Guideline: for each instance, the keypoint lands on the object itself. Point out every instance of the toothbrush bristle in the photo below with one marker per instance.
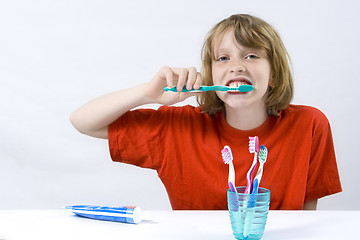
(235, 88)
(226, 155)
(254, 144)
(241, 88)
(263, 153)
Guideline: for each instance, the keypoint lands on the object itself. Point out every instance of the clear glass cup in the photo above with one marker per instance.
(248, 213)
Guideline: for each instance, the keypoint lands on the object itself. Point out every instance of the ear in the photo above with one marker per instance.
(271, 83)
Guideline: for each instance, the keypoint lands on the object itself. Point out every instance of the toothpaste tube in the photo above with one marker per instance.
(126, 214)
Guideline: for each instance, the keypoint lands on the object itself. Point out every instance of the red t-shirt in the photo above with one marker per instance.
(184, 146)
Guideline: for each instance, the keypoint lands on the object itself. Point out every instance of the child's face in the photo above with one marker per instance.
(235, 64)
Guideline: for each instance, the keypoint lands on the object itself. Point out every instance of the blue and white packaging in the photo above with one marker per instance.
(126, 214)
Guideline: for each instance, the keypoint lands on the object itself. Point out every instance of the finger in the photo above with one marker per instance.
(198, 81)
(191, 78)
(169, 76)
(183, 73)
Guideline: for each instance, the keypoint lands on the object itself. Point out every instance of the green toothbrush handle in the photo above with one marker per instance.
(241, 88)
(201, 89)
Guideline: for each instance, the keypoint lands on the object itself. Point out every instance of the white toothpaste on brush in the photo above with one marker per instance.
(126, 214)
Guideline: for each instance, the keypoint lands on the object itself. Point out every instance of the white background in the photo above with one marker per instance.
(57, 55)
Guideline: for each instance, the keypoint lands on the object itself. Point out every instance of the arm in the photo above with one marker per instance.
(94, 117)
(311, 205)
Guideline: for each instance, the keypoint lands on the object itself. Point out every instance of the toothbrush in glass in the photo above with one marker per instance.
(227, 159)
(262, 159)
(253, 148)
(249, 212)
(250, 205)
(241, 88)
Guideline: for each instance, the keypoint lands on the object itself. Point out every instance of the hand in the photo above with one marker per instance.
(170, 77)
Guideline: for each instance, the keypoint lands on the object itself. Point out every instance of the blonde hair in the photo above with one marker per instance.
(252, 32)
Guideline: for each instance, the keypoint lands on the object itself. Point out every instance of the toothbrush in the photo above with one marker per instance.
(262, 159)
(251, 203)
(227, 159)
(253, 148)
(241, 88)
(250, 211)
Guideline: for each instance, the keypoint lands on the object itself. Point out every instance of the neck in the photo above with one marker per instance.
(245, 119)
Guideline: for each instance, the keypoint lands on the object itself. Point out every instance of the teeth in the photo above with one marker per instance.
(233, 84)
(236, 84)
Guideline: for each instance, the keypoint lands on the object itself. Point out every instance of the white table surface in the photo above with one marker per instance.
(184, 225)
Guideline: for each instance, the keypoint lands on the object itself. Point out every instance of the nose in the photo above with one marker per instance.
(237, 67)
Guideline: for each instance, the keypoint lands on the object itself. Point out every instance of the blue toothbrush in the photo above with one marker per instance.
(262, 159)
(251, 203)
(241, 88)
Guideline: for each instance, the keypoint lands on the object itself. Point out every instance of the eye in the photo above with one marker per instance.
(222, 59)
(251, 56)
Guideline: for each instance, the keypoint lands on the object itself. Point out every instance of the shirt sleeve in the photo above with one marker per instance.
(323, 177)
(137, 138)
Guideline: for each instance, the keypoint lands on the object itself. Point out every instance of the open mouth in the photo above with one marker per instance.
(235, 83)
